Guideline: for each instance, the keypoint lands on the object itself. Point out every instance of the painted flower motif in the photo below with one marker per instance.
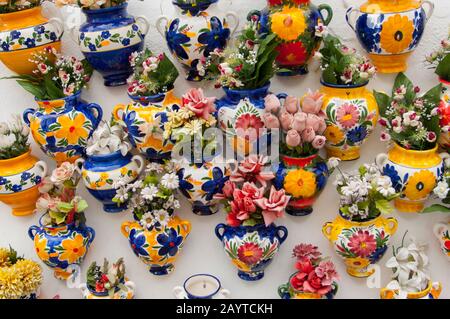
(300, 183)
(215, 185)
(133, 126)
(138, 243)
(3, 181)
(289, 23)
(391, 172)
(170, 242)
(334, 135)
(215, 38)
(73, 249)
(357, 134)
(176, 39)
(420, 185)
(347, 115)
(185, 185)
(362, 243)
(35, 126)
(370, 38)
(322, 173)
(249, 126)
(396, 34)
(250, 253)
(72, 129)
(293, 53)
(40, 245)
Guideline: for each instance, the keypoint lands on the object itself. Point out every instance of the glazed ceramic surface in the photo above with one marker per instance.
(286, 291)
(294, 23)
(144, 119)
(303, 179)
(433, 291)
(197, 30)
(24, 33)
(360, 244)
(390, 30)
(444, 111)
(351, 115)
(413, 173)
(127, 293)
(107, 39)
(19, 180)
(251, 248)
(199, 182)
(441, 231)
(99, 173)
(61, 248)
(158, 248)
(201, 286)
(62, 127)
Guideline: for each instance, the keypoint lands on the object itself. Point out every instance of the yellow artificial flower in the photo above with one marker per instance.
(300, 183)
(20, 279)
(333, 134)
(396, 34)
(289, 23)
(30, 273)
(420, 185)
(4, 257)
(74, 249)
(72, 129)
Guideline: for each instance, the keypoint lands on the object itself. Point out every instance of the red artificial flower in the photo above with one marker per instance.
(232, 220)
(314, 284)
(447, 244)
(444, 112)
(298, 280)
(99, 286)
(304, 265)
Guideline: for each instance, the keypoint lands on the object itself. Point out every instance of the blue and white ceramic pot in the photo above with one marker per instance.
(198, 29)
(124, 292)
(62, 247)
(251, 248)
(107, 39)
(201, 286)
(100, 172)
(62, 127)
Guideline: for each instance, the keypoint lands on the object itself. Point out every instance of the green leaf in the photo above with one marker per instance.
(35, 89)
(59, 217)
(436, 209)
(65, 207)
(82, 205)
(383, 101)
(53, 91)
(443, 68)
(400, 80)
(384, 206)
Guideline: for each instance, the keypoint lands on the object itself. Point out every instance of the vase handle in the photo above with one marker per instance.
(218, 229)
(59, 26)
(236, 21)
(143, 24)
(327, 229)
(283, 237)
(438, 229)
(130, 285)
(139, 160)
(158, 25)
(381, 160)
(74, 34)
(187, 226)
(91, 232)
(125, 228)
(349, 17)
(98, 117)
(79, 165)
(179, 292)
(253, 13)
(282, 96)
(32, 229)
(392, 225)
(430, 11)
(386, 293)
(283, 291)
(26, 115)
(43, 166)
(329, 11)
(118, 108)
(436, 289)
(224, 293)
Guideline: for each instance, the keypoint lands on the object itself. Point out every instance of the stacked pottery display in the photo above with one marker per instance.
(390, 31)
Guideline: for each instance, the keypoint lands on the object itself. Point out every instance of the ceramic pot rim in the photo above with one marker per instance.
(145, 98)
(343, 86)
(102, 157)
(192, 5)
(237, 91)
(360, 222)
(105, 293)
(105, 10)
(76, 95)
(431, 150)
(18, 13)
(207, 275)
(13, 159)
(51, 226)
(419, 294)
(309, 158)
(255, 227)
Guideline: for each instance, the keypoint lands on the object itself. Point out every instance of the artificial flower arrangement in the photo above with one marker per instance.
(316, 276)
(442, 192)
(56, 76)
(13, 138)
(106, 279)
(108, 138)
(8, 6)
(439, 60)
(410, 120)
(19, 278)
(90, 4)
(152, 74)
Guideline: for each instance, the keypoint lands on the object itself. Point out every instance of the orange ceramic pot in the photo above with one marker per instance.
(24, 33)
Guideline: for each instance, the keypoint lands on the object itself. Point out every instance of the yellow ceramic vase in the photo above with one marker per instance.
(413, 173)
(360, 244)
(24, 33)
(433, 291)
(19, 179)
(351, 115)
(159, 247)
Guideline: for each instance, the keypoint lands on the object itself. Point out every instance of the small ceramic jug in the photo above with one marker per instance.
(441, 231)
(201, 286)
(119, 293)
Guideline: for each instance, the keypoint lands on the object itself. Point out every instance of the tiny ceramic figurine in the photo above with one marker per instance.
(316, 276)
(20, 278)
(62, 238)
(24, 31)
(108, 37)
(108, 161)
(62, 122)
(198, 30)
(299, 26)
(350, 110)
(20, 172)
(411, 122)
(151, 89)
(360, 234)
(201, 286)
(107, 282)
(302, 130)
(411, 278)
(390, 31)
(250, 237)
(156, 235)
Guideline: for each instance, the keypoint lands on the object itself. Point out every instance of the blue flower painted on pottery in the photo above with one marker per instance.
(419, 22)
(216, 38)
(132, 126)
(176, 40)
(139, 243)
(391, 172)
(3, 180)
(126, 41)
(30, 43)
(169, 242)
(15, 34)
(39, 29)
(25, 176)
(106, 34)
(278, 181)
(185, 185)
(369, 36)
(357, 134)
(378, 254)
(215, 185)
(16, 188)
(5, 46)
(322, 173)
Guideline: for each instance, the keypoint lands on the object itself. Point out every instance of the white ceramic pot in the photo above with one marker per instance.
(201, 286)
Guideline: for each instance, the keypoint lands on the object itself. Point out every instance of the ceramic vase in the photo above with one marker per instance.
(390, 30)
(157, 248)
(441, 231)
(196, 30)
(62, 127)
(286, 291)
(107, 39)
(63, 247)
(251, 248)
(444, 111)
(119, 293)
(201, 286)
(24, 33)
(294, 23)
(146, 112)
(433, 291)
(351, 114)
(19, 180)
(413, 173)
(360, 243)
(100, 172)
(303, 179)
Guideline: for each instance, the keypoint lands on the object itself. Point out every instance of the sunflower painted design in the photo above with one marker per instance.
(40, 246)
(300, 183)
(73, 249)
(420, 185)
(72, 129)
(334, 134)
(396, 34)
(48, 107)
(289, 23)
(35, 126)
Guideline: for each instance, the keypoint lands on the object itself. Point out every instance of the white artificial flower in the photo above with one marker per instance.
(147, 220)
(170, 181)
(162, 217)
(121, 195)
(447, 162)
(154, 167)
(4, 128)
(149, 192)
(7, 140)
(441, 190)
(333, 162)
(384, 186)
(136, 185)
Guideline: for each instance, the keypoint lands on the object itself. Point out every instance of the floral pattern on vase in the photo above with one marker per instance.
(441, 232)
(444, 111)
(127, 293)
